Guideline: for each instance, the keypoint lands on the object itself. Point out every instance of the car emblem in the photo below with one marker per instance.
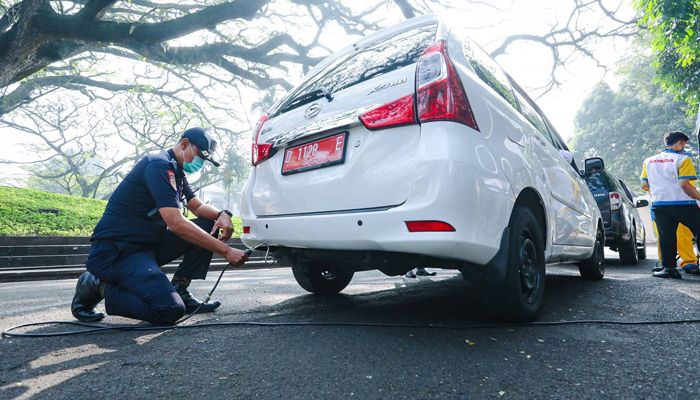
(312, 111)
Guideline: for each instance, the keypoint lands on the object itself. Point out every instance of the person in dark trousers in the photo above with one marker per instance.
(143, 228)
(669, 177)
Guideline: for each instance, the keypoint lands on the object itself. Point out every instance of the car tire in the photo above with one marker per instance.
(520, 297)
(321, 279)
(593, 268)
(642, 251)
(628, 250)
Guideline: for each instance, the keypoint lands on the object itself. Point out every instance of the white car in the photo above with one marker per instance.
(413, 148)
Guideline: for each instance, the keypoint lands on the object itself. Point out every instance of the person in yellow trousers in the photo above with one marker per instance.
(670, 178)
(684, 238)
(689, 261)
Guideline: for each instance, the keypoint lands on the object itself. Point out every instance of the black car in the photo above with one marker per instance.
(624, 230)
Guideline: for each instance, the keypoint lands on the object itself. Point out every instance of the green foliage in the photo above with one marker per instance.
(237, 226)
(675, 27)
(627, 126)
(27, 212)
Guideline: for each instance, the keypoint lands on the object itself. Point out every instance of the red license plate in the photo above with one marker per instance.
(317, 154)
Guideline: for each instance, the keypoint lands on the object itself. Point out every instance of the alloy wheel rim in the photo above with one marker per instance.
(529, 273)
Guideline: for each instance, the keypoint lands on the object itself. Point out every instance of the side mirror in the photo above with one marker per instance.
(593, 165)
(641, 203)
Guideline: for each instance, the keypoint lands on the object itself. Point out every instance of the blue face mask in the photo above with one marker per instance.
(194, 166)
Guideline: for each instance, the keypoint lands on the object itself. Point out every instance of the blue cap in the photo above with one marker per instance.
(203, 141)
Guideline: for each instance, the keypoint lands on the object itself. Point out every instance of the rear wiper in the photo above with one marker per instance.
(307, 98)
(327, 94)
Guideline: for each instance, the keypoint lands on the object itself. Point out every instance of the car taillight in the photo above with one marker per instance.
(440, 94)
(398, 112)
(261, 152)
(246, 230)
(429, 226)
(615, 201)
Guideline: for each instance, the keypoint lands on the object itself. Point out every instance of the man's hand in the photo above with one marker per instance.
(225, 224)
(235, 257)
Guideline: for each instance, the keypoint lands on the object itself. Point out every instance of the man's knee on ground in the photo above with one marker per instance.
(168, 310)
(168, 315)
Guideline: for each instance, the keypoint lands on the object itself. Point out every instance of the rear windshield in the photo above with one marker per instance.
(597, 181)
(363, 64)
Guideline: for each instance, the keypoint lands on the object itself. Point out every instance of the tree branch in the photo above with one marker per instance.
(73, 28)
(10, 17)
(406, 9)
(95, 9)
(23, 93)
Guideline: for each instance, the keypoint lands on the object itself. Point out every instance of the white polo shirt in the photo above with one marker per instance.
(663, 173)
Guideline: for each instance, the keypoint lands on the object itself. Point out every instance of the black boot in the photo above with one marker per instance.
(191, 302)
(87, 296)
(667, 273)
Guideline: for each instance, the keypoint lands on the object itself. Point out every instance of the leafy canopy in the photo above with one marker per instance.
(626, 126)
(674, 26)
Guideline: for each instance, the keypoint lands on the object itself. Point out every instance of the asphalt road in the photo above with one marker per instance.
(328, 362)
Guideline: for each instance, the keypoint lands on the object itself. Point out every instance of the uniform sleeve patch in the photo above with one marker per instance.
(171, 179)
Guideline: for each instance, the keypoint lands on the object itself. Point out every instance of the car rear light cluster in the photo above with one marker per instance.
(615, 201)
(261, 152)
(429, 226)
(439, 96)
(246, 230)
(398, 112)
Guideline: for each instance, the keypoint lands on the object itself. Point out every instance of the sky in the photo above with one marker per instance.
(528, 63)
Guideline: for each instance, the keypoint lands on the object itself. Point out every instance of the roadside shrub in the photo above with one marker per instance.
(29, 212)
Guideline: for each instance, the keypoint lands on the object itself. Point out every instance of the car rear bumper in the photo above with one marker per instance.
(451, 182)
(369, 231)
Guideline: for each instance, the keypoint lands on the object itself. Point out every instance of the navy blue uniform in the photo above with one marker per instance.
(131, 242)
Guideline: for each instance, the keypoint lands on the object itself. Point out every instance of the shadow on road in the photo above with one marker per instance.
(450, 301)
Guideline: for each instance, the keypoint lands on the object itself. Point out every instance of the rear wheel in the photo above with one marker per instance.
(321, 279)
(628, 250)
(593, 268)
(642, 250)
(519, 298)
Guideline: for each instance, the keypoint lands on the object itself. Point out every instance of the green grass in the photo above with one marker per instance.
(237, 226)
(29, 212)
